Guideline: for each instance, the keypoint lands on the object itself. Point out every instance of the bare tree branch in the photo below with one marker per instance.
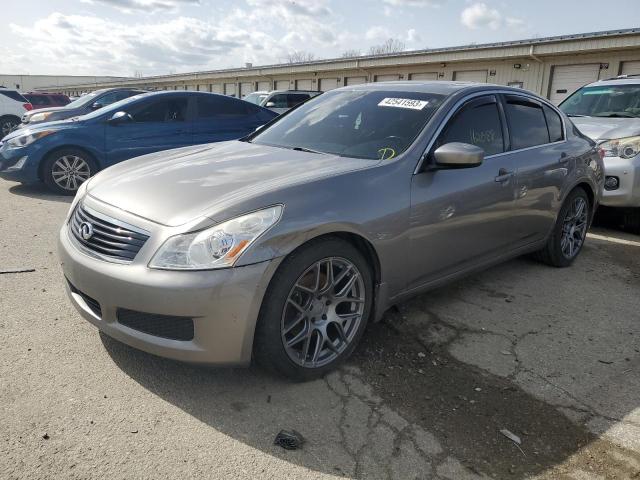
(392, 45)
(299, 56)
(351, 53)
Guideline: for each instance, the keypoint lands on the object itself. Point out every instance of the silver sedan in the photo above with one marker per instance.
(282, 246)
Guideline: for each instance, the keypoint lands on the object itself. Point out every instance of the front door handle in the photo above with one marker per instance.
(504, 175)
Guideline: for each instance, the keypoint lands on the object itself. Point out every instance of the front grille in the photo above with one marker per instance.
(165, 326)
(93, 305)
(106, 237)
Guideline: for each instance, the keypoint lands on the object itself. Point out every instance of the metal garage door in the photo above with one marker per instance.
(356, 80)
(424, 76)
(479, 76)
(568, 78)
(264, 86)
(216, 87)
(304, 84)
(230, 89)
(245, 89)
(282, 85)
(203, 87)
(326, 84)
(630, 68)
(386, 78)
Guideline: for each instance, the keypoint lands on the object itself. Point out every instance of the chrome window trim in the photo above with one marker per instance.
(471, 96)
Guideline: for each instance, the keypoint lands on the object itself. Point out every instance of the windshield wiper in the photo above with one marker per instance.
(617, 115)
(308, 150)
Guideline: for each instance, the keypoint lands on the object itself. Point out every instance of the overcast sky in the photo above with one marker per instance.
(148, 37)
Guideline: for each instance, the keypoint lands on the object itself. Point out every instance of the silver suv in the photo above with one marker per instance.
(280, 101)
(608, 111)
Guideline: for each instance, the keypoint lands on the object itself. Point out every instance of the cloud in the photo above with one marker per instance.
(129, 6)
(415, 3)
(479, 15)
(377, 33)
(91, 45)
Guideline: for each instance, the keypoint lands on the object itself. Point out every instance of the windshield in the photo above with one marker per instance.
(255, 98)
(357, 123)
(83, 100)
(606, 101)
(114, 107)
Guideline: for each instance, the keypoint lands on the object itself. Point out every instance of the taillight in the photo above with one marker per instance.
(27, 106)
(601, 152)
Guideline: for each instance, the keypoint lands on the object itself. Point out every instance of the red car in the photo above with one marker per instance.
(45, 100)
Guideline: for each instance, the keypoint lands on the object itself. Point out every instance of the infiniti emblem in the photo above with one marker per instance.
(86, 230)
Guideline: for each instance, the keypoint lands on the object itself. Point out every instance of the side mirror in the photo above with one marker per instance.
(119, 118)
(458, 155)
(270, 104)
(96, 106)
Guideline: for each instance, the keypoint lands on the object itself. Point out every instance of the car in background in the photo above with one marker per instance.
(608, 111)
(65, 153)
(43, 100)
(283, 246)
(280, 101)
(12, 107)
(83, 105)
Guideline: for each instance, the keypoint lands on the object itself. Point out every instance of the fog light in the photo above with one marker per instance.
(19, 164)
(611, 183)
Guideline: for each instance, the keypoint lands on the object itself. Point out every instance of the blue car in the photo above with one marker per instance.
(66, 153)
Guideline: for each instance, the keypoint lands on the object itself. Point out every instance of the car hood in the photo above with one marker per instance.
(603, 128)
(40, 126)
(176, 186)
(45, 110)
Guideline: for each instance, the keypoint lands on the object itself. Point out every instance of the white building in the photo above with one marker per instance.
(552, 67)
(27, 83)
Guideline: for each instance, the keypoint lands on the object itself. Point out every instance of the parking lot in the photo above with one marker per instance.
(551, 355)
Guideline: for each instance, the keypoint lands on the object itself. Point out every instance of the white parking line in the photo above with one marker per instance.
(620, 241)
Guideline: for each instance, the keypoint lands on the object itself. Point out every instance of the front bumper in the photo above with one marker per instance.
(224, 304)
(628, 173)
(28, 172)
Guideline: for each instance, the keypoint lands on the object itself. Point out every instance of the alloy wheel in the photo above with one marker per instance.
(70, 171)
(574, 228)
(323, 311)
(7, 127)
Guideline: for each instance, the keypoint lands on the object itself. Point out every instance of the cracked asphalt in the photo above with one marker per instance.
(551, 355)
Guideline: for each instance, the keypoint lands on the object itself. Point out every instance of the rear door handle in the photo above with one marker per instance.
(504, 175)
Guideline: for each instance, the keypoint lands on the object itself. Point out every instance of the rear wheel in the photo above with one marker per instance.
(7, 124)
(65, 170)
(315, 310)
(569, 233)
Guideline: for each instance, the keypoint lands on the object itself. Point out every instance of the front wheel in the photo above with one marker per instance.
(65, 170)
(632, 220)
(315, 310)
(7, 124)
(569, 233)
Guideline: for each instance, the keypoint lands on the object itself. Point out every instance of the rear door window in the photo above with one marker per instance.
(218, 106)
(13, 95)
(554, 124)
(477, 123)
(294, 99)
(527, 124)
(37, 100)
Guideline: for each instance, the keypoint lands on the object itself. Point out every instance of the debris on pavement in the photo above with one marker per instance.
(46, 436)
(514, 438)
(17, 270)
(289, 440)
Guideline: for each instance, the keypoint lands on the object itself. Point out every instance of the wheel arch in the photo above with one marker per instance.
(57, 148)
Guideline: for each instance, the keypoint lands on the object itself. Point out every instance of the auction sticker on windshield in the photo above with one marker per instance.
(403, 103)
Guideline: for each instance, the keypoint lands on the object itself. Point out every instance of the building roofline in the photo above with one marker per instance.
(407, 53)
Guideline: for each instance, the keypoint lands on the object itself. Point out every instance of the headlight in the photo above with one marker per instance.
(39, 117)
(28, 138)
(216, 247)
(621, 147)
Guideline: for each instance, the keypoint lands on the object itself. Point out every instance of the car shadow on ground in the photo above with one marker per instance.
(38, 191)
(403, 386)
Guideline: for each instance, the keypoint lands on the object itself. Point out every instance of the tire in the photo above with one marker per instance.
(7, 124)
(288, 296)
(631, 220)
(557, 252)
(53, 168)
